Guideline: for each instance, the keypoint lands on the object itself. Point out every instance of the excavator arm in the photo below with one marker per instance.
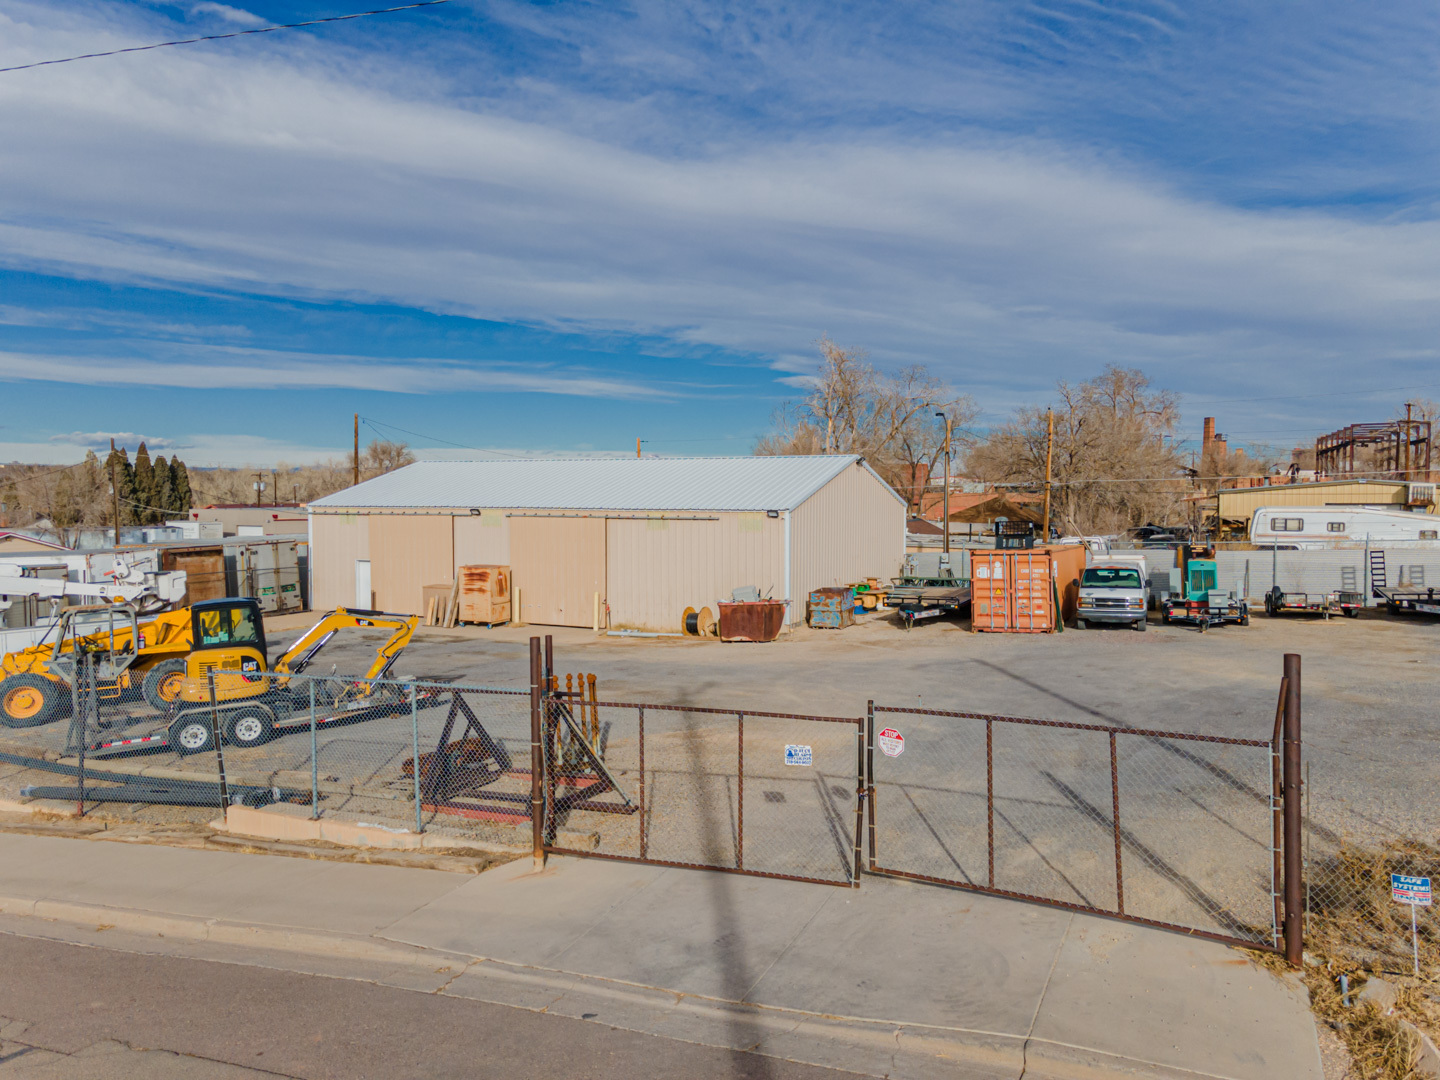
(302, 653)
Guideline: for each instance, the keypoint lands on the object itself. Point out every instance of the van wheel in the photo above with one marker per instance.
(28, 700)
(1080, 624)
(191, 735)
(1141, 624)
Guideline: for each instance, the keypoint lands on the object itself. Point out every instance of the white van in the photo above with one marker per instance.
(1303, 527)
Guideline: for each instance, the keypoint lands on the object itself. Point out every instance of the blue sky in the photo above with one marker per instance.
(553, 227)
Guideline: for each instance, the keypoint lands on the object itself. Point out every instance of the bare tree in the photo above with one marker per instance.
(1113, 468)
(855, 409)
(383, 456)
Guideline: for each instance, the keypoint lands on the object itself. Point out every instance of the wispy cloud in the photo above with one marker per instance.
(221, 367)
(95, 440)
(230, 14)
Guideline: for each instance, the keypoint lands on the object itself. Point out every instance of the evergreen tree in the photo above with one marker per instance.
(147, 493)
(180, 486)
(124, 483)
(164, 491)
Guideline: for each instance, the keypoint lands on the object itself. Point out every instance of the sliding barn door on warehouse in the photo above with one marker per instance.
(408, 552)
(558, 565)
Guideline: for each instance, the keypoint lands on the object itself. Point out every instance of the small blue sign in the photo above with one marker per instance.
(1405, 889)
(798, 755)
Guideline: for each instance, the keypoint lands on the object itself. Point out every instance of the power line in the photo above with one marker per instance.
(1307, 397)
(371, 424)
(222, 37)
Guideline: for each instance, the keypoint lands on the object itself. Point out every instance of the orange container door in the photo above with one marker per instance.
(989, 591)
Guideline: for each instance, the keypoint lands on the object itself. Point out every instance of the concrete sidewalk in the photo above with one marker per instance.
(891, 979)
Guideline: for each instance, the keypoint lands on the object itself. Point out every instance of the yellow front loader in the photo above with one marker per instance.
(131, 654)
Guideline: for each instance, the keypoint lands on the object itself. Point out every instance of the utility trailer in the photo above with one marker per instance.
(259, 720)
(927, 589)
(1200, 603)
(1414, 601)
(1279, 602)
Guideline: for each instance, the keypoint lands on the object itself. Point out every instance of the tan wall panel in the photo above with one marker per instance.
(658, 568)
(558, 565)
(1241, 503)
(482, 539)
(338, 540)
(851, 529)
(406, 554)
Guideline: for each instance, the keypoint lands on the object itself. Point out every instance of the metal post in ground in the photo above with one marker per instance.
(859, 800)
(537, 797)
(1277, 820)
(870, 776)
(415, 755)
(1290, 766)
(219, 749)
(740, 797)
(314, 764)
(85, 679)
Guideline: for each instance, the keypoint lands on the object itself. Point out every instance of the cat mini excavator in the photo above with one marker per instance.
(253, 701)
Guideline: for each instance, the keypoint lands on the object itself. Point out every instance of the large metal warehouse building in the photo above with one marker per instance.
(651, 536)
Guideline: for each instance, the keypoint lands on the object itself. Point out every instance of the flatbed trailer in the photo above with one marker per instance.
(917, 599)
(255, 721)
(1278, 602)
(1411, 600)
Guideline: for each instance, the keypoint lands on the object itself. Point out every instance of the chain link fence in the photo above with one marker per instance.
(1171, 829)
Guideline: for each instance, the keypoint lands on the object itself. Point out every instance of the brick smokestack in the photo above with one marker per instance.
(1208, 436)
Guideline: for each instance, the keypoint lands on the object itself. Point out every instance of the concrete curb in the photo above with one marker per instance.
(881, 1047)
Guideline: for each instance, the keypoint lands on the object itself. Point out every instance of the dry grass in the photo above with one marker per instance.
(1355, 929)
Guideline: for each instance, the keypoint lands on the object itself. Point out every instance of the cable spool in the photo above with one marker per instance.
(697, 623)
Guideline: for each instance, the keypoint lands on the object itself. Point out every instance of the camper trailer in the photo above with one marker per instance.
(1309, 527)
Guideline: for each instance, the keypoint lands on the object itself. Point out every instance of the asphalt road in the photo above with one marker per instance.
(71, 1012)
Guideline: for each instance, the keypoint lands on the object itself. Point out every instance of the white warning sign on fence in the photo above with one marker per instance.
(892, 743)
(798, 755)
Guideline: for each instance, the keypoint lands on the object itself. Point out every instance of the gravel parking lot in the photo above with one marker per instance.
(1370, 686)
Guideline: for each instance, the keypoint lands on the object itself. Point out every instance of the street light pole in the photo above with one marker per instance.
(947, 480)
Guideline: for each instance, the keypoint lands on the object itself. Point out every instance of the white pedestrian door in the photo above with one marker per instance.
(362, 584)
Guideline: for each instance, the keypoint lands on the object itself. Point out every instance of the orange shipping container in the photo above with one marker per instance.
(1017, 591)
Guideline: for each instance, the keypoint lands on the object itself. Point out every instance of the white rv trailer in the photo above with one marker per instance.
(1316, 526)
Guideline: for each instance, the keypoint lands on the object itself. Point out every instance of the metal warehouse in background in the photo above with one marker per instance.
(650, 536)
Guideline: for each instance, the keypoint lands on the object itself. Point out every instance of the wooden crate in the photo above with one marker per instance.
(485, 594)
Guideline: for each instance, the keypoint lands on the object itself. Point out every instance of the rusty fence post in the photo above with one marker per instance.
(216, 736)
(537, 798)
(1115, 821)
(644, 810)
(740, 793)
(990, 795)
(870, 775)
(1294, 926)
(859, 801)
(1277, 820)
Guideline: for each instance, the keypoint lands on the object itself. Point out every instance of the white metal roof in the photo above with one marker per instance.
(636, 484)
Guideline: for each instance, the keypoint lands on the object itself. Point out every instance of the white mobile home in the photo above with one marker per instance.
(1318, 526)
(648, 536)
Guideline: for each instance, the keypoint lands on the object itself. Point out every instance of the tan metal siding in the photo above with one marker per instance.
(851, 529)
(338, 540)
(557, 565)
(1240, 504)
(482, 539)
(658, 568)
(406, 554)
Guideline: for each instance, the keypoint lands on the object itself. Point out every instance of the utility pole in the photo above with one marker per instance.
(637, 446)
(946, 495)
(274, 488)
(115, 492)
(259, 487)
(1049, 457)
(355, 471)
